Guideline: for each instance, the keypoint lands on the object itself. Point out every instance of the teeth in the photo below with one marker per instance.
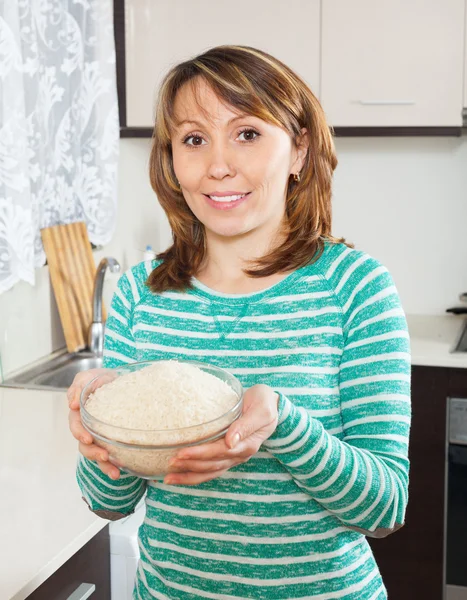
(227, 198)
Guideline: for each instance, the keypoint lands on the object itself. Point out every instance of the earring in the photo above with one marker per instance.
(296, 177)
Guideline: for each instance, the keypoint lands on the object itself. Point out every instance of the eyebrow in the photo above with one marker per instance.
(179, 123)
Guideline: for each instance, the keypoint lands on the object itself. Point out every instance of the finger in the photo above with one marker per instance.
(212, 450)
(108, 469)
(93, 452)
(191, 478)
(77, 429)
(202, 466)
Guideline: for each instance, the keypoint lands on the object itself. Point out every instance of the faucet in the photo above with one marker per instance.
(96, 331)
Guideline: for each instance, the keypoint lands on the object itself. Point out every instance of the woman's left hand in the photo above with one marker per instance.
(244, 437)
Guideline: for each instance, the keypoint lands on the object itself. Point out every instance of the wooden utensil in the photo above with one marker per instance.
(72, 270)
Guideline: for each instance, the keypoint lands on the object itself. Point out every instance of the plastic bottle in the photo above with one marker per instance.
(148, 253)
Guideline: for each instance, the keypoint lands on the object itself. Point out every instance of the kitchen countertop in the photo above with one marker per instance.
(44, 521)
(432, 338)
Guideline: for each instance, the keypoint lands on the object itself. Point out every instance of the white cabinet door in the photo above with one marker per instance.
(392, 62)
(161, 33)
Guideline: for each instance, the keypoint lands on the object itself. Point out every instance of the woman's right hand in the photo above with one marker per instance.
(86, 442)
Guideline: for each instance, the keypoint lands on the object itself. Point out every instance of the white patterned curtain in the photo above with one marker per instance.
(59, 126)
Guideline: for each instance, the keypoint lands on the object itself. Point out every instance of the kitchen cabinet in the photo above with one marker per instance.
(378, 67)
(393, 63)
(158, 35)
(411, 560)
(90, 565)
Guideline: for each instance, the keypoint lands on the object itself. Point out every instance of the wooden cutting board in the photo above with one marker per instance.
(72, 270)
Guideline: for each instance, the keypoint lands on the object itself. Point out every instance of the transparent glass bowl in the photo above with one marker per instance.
(147, 452)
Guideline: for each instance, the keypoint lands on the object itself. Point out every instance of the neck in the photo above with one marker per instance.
(227, 257)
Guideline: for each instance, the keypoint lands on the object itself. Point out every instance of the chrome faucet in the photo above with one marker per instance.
(96, 331)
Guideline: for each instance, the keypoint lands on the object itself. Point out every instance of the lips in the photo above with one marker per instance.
(222, 205)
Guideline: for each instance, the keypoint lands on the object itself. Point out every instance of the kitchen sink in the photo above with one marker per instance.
(56, 372)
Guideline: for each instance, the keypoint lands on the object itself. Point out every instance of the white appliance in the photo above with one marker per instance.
(124, 553)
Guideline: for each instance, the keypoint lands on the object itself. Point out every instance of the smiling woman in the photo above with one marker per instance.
(242, 162)
(236, 120)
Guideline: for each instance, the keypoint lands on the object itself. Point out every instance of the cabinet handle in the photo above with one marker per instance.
(83, 591)
(385, 102)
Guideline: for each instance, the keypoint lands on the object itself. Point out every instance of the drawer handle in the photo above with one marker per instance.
(83, 591)
(385, 102)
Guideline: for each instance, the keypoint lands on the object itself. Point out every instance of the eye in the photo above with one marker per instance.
(246, 130)
(250, 130)
(195, 136)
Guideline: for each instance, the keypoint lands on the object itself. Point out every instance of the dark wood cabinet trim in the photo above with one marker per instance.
(119, 35)
(397, 131)
(146, 132)
(135, 132)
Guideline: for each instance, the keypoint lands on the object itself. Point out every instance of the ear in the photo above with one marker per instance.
(301, 149)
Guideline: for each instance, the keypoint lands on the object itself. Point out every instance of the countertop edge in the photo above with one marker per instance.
(60, 559)
(441, 362)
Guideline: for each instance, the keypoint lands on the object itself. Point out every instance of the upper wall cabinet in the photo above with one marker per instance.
(159, 34)
(393, 63)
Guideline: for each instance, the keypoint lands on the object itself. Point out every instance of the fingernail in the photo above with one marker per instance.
(170, 481)
(235, 440)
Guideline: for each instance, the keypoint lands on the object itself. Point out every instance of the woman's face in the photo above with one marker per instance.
(245, 155)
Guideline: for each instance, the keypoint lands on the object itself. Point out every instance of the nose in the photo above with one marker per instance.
(220, 160)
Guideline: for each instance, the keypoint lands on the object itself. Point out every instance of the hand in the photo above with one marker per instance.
(86, 445)
(199, 464)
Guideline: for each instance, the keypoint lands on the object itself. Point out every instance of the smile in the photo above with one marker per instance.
(226, 202)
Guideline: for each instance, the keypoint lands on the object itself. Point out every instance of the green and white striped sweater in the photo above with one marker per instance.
(291, 522)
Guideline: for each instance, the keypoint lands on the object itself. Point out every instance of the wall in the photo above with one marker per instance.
(403, 200)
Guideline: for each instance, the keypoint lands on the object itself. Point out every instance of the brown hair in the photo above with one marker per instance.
(256, 83)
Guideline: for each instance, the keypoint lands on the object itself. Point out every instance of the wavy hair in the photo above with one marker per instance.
(256, 83)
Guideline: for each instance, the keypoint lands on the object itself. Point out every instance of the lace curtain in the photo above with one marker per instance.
(59, 127)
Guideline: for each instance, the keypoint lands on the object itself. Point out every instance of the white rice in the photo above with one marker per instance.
(152, 406)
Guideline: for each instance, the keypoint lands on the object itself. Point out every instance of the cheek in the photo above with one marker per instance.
(195, 207)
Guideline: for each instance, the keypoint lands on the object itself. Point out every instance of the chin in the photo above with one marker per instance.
(230, 230)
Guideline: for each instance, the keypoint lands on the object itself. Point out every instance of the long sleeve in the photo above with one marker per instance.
(109, 498)
(362, 478)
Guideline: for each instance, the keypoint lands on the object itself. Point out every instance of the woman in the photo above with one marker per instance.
(255, 283)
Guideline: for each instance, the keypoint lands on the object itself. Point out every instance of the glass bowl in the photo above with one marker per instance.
(147, 452)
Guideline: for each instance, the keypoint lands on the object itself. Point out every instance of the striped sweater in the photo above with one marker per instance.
(292, 522)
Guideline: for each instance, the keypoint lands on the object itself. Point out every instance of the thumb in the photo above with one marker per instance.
(257, 413)
(249, 422)
(73, 394)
